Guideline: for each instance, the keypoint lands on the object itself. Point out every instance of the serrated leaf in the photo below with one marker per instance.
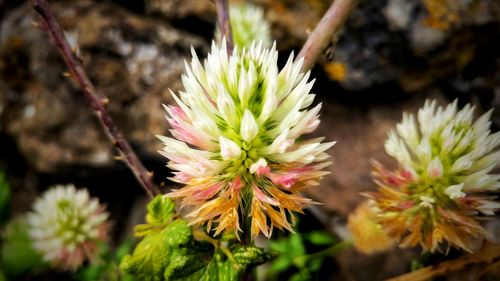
(251, 256)
(221, 268)
(160, 213)
(160, 210)
(187, 260)
(149, 258)
(168, 251)
(152, 255)
(218, 269)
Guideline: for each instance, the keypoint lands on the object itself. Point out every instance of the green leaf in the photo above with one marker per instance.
(296, 245)
(302, 275)
(178, 233)
(163, 242)
(152, 255)
(187, 260)
(105, 268)
(124, 249)
(218, 269)
(160, 210)
(280, 264)
(320, 238)
(247, 256)
(168, 251)
(5, 195)
(18, 255)
(314, 264)
(280, 246)
(149, 258)
(160, 213)
(223, 268)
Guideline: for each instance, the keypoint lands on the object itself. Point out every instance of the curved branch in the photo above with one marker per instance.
(96, 102)
(321, 36)
(224, 24)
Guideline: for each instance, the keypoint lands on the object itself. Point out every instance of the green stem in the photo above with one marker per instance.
(247, 237)
(200, 235)
(331, 251)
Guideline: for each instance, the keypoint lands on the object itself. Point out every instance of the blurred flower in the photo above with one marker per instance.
(367, 235)
(248, 24)
(442, 186)
(66, 226)
(237, 124)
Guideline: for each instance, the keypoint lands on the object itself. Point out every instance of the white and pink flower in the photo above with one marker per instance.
(66, 226)
(237, 125)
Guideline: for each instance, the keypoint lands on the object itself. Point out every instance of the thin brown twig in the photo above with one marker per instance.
(224, 25)
(96, 102)
(490, 254)
(328, 27)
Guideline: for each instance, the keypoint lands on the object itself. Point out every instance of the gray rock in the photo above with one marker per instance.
(132, 60)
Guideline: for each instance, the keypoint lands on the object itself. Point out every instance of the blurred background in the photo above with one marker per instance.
(389, 58)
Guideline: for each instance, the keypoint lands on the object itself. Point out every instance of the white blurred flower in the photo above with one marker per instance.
(446, 172)
(66, 226)
(446, 143)
(248, 24)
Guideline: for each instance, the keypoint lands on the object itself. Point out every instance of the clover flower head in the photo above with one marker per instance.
(367, 235)
(237, 150)
(66, 226)
(248, 24)
(445, 181)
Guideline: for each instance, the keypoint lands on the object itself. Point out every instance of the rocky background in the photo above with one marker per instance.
(390, 57)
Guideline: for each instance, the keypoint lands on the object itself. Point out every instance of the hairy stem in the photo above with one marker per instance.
(327, 28)
(97, 102)
(224, 25)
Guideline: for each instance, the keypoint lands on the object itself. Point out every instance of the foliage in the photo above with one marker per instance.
(293, 258)
(5, 194)
(18, 255)
(169, 251)
(106, 269)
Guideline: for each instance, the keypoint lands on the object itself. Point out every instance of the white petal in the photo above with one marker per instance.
(259, 164)
(461, 164)
(249, 127)
(228, 148)
(435, 168)
(424, 152)
(455, 191)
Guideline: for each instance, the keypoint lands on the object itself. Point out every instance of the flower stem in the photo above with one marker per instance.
(98, 103)
(200, 235)
(224, 23)
(332, 250)
(327, 28)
